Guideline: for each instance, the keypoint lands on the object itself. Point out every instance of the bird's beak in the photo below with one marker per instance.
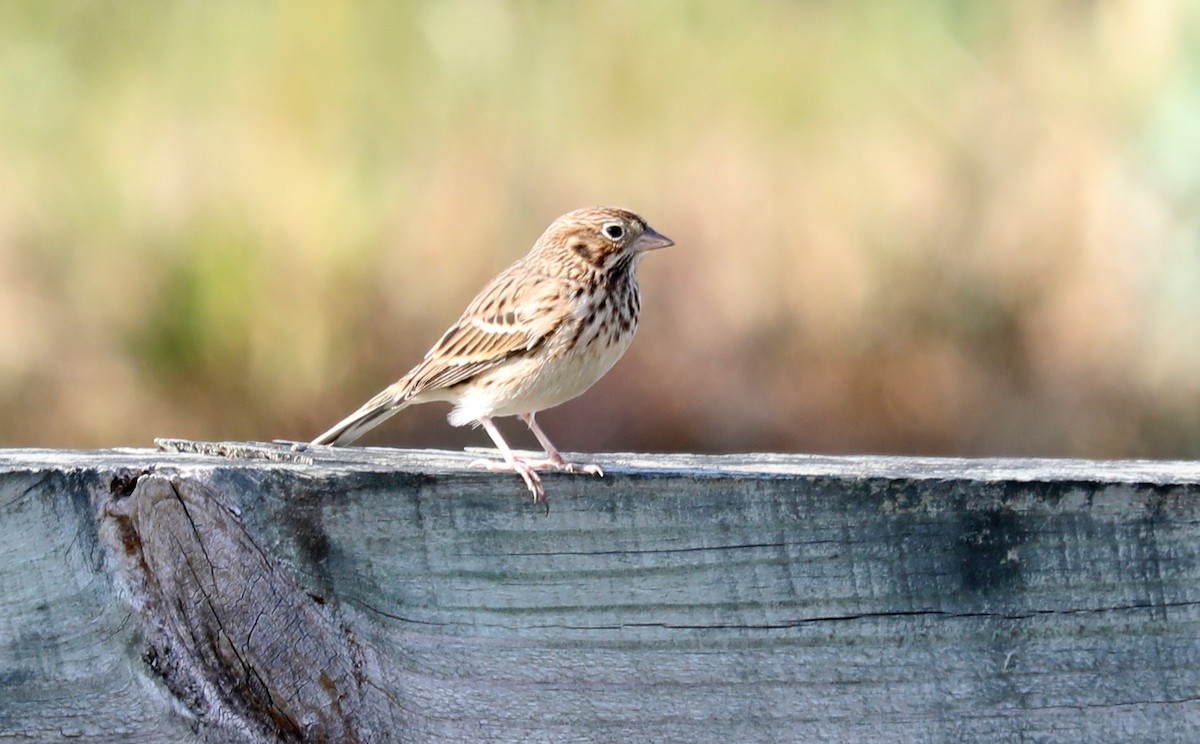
(651, 240)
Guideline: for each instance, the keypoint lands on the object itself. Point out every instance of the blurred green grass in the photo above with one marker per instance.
(962, 228)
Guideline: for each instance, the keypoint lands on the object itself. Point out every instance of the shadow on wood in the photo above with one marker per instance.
(242, 592)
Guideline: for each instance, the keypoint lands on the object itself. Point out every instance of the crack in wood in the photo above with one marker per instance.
(669, 551)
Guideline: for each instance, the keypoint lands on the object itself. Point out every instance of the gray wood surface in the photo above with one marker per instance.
(248, 592)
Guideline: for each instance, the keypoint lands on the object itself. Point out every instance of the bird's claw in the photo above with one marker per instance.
(527, 469)
(564, 466)
(532, 480)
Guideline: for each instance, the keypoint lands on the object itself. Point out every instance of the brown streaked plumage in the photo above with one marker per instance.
(539, 334)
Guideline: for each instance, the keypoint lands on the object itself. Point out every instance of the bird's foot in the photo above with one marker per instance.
(557, 462)
(532, 480)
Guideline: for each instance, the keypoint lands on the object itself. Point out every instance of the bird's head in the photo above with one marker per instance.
(604, 238)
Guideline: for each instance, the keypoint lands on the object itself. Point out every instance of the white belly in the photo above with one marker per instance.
(536, 383)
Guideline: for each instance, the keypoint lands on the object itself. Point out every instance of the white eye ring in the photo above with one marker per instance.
(614, 231)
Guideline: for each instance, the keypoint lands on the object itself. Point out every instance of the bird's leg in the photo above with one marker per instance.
(511, 462)
(554, 459)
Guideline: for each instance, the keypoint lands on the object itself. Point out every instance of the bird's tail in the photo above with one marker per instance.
(373, 413)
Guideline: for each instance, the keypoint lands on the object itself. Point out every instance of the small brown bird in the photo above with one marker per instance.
(539, 334)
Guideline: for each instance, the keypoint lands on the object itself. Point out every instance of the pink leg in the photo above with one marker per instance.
(512, 463)
(553, 458)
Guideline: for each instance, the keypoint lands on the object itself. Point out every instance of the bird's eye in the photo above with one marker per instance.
(614, 231)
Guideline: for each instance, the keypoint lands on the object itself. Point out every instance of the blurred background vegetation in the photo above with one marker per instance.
(910, 227)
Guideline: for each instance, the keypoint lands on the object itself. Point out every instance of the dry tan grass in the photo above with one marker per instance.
(901, 227)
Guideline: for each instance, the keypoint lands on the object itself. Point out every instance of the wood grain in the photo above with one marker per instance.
(680, 598)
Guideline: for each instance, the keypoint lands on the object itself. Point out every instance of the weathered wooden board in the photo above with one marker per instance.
(380, 595)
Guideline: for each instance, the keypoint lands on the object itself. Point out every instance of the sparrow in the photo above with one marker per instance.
(537, 335)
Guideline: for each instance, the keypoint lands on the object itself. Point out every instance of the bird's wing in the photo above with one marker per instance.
(513, 315)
